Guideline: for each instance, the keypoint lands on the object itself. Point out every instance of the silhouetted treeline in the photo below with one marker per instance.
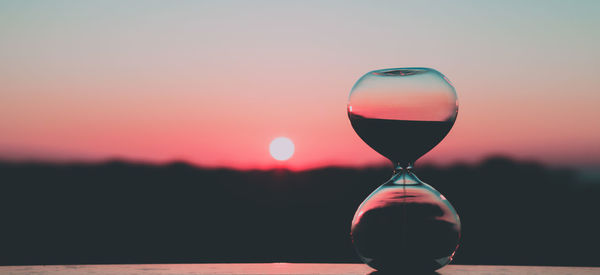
(511, 213)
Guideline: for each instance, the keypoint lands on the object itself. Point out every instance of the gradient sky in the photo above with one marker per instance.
(213, 82)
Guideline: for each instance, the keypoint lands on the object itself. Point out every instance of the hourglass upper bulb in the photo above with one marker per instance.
(402, 113)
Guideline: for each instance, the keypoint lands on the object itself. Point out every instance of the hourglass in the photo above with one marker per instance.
(405, 224)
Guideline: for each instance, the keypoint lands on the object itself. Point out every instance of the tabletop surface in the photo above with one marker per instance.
(278, 268)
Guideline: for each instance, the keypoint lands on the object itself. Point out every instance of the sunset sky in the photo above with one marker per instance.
(213, 82)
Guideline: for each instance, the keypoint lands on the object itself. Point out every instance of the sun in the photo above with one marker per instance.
(281, 148)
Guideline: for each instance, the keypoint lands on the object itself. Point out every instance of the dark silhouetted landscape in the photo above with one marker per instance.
(512, 213)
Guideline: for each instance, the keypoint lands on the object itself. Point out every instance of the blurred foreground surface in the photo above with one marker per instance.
(279, 269)
(512, 213)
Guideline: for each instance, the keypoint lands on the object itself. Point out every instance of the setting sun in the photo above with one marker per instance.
(281, 148)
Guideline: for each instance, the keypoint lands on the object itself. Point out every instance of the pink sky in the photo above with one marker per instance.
(214, 83)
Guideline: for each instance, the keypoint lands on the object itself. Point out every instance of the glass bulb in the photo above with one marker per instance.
(402, 113)
(405, 225)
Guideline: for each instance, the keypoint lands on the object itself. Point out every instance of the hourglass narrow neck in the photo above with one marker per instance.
(404, 176)
(402, 167)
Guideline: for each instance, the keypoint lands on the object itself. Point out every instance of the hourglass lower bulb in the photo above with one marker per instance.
(404, 225)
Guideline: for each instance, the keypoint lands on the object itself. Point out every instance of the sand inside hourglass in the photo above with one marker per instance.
(402, 141)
